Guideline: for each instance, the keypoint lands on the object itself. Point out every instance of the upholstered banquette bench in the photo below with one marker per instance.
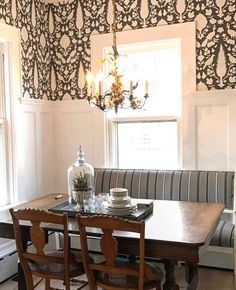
(183, 185)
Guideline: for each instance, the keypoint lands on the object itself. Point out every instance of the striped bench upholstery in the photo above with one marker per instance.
(182, 185)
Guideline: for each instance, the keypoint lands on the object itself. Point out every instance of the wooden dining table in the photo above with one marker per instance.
(175, 231)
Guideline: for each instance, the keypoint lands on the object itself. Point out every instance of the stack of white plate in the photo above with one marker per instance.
(120, 209)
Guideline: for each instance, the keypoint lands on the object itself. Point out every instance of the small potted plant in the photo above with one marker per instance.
(81, 189)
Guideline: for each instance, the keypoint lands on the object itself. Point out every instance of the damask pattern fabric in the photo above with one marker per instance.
(55, 39)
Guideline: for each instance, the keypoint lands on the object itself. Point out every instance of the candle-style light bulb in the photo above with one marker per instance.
(131, 88)
(89, 79)
(98, 83)
(99, 78)
(146, 87)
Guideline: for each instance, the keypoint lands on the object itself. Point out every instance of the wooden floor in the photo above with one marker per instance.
(209, 279)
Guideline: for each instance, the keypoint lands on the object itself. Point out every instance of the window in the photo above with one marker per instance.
(159, 62)
(143, 147)
(172, 86)
(150, 138)
(10, 94)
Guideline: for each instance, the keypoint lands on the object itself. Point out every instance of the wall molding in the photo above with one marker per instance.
(227, 93)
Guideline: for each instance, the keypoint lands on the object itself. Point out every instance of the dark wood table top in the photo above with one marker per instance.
(174, 232)
(171, 221)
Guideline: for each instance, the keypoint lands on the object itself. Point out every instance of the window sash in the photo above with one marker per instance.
(113, 134)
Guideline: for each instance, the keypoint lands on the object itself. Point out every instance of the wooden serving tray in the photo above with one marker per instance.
(144, 208)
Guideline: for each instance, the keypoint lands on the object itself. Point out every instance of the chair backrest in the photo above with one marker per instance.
(34, 220)
(109, 245)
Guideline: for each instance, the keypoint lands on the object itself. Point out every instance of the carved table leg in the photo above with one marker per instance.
(170, 283)
(191, 272)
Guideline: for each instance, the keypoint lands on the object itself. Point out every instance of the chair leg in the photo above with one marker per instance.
(29, 282)
(47, 284)
(67, 284)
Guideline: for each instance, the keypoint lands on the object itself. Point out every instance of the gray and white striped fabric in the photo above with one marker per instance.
(182, 185)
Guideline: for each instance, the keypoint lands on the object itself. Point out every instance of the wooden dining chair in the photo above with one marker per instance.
(113, 271)
(61, 265)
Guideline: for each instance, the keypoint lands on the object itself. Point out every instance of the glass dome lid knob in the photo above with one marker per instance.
(80, 154)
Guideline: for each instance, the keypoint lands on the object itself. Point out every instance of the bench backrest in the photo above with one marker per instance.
(183, 185)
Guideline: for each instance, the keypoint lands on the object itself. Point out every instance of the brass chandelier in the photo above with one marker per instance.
(116, 97)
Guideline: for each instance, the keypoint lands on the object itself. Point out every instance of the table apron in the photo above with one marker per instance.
(153, 249)
(162, 250)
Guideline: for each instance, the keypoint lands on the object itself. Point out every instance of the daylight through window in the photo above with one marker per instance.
(148, 138)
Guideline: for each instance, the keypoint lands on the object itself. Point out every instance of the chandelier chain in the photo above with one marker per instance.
(117, 96)
(114, 30)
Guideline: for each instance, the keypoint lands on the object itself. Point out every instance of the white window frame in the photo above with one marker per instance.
(187, 34)
(3, 125)
(10, 41)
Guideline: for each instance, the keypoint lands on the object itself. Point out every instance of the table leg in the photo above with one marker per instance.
(170, 283)
(191, 272)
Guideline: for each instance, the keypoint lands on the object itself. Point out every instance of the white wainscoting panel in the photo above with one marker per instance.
(46, 145)
(211, 133)
(27, 156)
(50, 133)
(35, 149)
(77, 124)
(212, 136)
(48, 138)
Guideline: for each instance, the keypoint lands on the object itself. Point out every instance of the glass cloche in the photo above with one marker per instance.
(80, 169)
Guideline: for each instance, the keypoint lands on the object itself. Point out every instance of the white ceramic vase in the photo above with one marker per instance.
(79, 195)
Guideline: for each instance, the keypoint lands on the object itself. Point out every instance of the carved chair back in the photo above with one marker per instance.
(112, 272)
(53, 265)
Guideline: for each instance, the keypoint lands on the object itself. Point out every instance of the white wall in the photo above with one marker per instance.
(211, 133)
(48, 138)
(49, 134)
(77, 124)
(36, 149)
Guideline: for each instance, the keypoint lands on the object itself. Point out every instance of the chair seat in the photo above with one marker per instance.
(75, 265)
(123, 280)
